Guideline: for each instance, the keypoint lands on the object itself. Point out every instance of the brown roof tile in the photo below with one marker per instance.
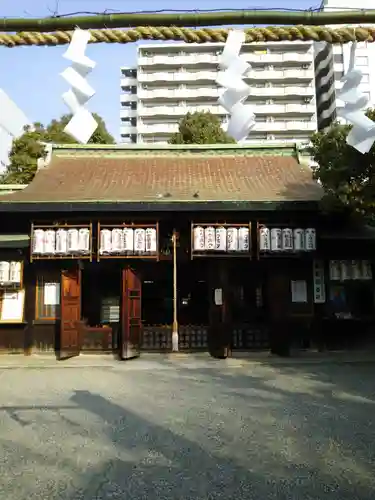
(149, 179)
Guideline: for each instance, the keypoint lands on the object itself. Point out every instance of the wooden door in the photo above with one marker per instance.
(70, 342)
(131, 321)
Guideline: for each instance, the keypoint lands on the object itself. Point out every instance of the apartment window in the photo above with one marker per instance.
(361, 61)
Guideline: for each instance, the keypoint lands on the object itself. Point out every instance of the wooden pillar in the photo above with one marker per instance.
(219, 335)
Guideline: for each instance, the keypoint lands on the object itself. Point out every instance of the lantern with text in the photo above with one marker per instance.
(61, 241)
(11, 274)
(220, 240)
(128, 241)
(285, 240)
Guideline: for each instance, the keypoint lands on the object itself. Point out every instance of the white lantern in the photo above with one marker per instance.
(151, 240)
(198, 239)
(243, 239)
(221, 239)
(117, 240)
(105, 242)
(287, 239)
(139, 240)
(38, 241)
(73, 240)
(276, 240)
(344, 270)
(84, 240)
(356, 270)
(366, 270)
(334, 270)
(232, 239)
(299, 239)
(128, 238)
(209, 238)
(310, 239)
(15, 272)
(264, 239)
(61, 241)
(4, 272)
(49, 242)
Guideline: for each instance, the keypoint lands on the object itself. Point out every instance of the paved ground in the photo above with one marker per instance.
(175, 429)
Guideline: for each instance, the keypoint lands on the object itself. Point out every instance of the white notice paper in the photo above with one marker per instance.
(218, 297)
(51, 294)
(299, 291)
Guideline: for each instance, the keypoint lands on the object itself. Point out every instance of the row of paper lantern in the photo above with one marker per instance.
(343, 270)
(128, 241)
(221, 239)
(61, 241)
(10, 272)
(287, 239)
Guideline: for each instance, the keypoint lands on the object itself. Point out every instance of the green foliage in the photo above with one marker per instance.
(347, 176)
(201, 128)
(28, 148)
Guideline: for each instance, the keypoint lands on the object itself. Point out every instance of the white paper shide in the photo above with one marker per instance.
(233, 69)
(83, 124)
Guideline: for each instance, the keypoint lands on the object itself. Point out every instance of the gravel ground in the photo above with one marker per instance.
(183, 430)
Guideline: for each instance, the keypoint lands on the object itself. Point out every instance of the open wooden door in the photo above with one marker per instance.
(131, 321)
(70, 342)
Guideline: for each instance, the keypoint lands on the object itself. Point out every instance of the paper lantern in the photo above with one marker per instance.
(356, 271)
(198, 239)
(117, 240)
(232, 239)
(15, 272)
(49, 242)
(209, 238)
(310, 239)
(366, 270)
(287, 239)
(299, 239)
(151, 240)
(61, 241)
(139, 241)
(344, 270)
(221, 239)
(4, 272)
(105, 242)
(128, 240)
(334, 270)
(264, 239)
(243, 239)
(276, 240)
(38, 241)
(84, 240)
(73, 241)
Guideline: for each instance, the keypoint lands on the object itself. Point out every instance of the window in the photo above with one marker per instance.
(47, 297)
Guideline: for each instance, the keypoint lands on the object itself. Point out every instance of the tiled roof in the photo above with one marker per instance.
(183, 177)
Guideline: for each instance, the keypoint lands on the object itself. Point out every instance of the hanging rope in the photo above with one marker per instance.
(204, 35)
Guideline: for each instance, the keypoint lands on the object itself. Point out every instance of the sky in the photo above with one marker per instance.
(31, 75)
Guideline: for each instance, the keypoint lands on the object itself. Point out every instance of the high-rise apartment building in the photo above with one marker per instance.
(332, 62)
(174, 79)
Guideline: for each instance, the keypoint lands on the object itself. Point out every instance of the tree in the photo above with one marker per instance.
(347, 176)
(27, 149)
(200, 128)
